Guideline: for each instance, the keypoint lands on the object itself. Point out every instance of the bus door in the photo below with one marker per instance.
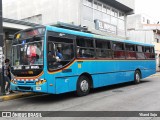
(60, 50)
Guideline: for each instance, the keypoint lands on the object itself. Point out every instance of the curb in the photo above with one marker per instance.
(157, 74)
(16, 96)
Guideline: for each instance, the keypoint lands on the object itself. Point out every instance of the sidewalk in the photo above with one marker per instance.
(157, 74)
(15, 95)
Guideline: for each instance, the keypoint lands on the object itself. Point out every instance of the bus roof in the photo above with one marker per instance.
(91, 35)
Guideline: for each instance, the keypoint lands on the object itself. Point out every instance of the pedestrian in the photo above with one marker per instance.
(6, 76)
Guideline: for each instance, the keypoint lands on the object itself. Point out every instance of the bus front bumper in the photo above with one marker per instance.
(29, 88)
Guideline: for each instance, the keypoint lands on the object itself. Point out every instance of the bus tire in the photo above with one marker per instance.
(137, 77)
(83, 86)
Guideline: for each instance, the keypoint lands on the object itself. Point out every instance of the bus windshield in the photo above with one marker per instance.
(30, 53)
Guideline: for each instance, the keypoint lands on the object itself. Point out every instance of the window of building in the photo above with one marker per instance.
(108, 10)
(112, 12)
(121, 25)
(114, 20)
(148, 21)
(116, 14)
(104, 9)
(143, 19)
(99, 6)
(121, 15)
(95, 5)
(98, 15)
(106, 18)
(88, 2)
(98, 10)
(157, 40)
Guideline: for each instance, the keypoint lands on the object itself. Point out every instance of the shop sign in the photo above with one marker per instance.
(103, 26)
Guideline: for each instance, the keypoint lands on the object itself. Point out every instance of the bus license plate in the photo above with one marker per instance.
(38, 88)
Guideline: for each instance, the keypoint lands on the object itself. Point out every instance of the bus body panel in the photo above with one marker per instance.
(103, 73)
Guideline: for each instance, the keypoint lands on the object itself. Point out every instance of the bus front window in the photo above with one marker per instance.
(28, 54)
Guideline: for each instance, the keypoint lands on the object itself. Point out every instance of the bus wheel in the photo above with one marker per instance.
(83, 86)
(137, 77)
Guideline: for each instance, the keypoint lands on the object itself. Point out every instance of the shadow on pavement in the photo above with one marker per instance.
(50, 98)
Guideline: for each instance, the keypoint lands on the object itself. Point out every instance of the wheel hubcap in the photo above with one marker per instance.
(84, 86)
(137, 77)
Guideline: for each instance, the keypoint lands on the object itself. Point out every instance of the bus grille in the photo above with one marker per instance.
(24, 88)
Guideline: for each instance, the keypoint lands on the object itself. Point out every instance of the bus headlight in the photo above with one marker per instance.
(13, 81)
(34, 67)
(27, 67)
(17, 67)
(40, 82)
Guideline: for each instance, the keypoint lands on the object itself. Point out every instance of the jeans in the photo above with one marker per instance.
(6, 78)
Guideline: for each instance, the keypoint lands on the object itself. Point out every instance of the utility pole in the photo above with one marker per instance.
(1, 53)
(1, 26)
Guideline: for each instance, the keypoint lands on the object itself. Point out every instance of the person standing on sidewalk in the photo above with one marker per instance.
(6, 74)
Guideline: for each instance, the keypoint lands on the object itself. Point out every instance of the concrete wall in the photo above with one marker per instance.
(139, 21)
(51, 10)
(142, 36)
(134, 22)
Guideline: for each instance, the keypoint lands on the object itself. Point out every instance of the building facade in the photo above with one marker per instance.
(107, 17)
(138, 21)
(142, 28)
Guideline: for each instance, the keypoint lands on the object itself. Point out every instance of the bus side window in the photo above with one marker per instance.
(130, 51)
(119, 52)
(85, 48)
(140, 52)
(103, 49)
(152, 53)
(147, 52)
(51, 58)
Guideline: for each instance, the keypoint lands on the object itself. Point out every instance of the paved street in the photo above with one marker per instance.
(124, 97)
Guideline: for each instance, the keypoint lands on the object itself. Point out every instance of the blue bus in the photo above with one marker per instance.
(56, 60)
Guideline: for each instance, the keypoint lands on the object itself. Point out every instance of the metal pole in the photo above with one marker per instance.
(2, 83)
(1, 26)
